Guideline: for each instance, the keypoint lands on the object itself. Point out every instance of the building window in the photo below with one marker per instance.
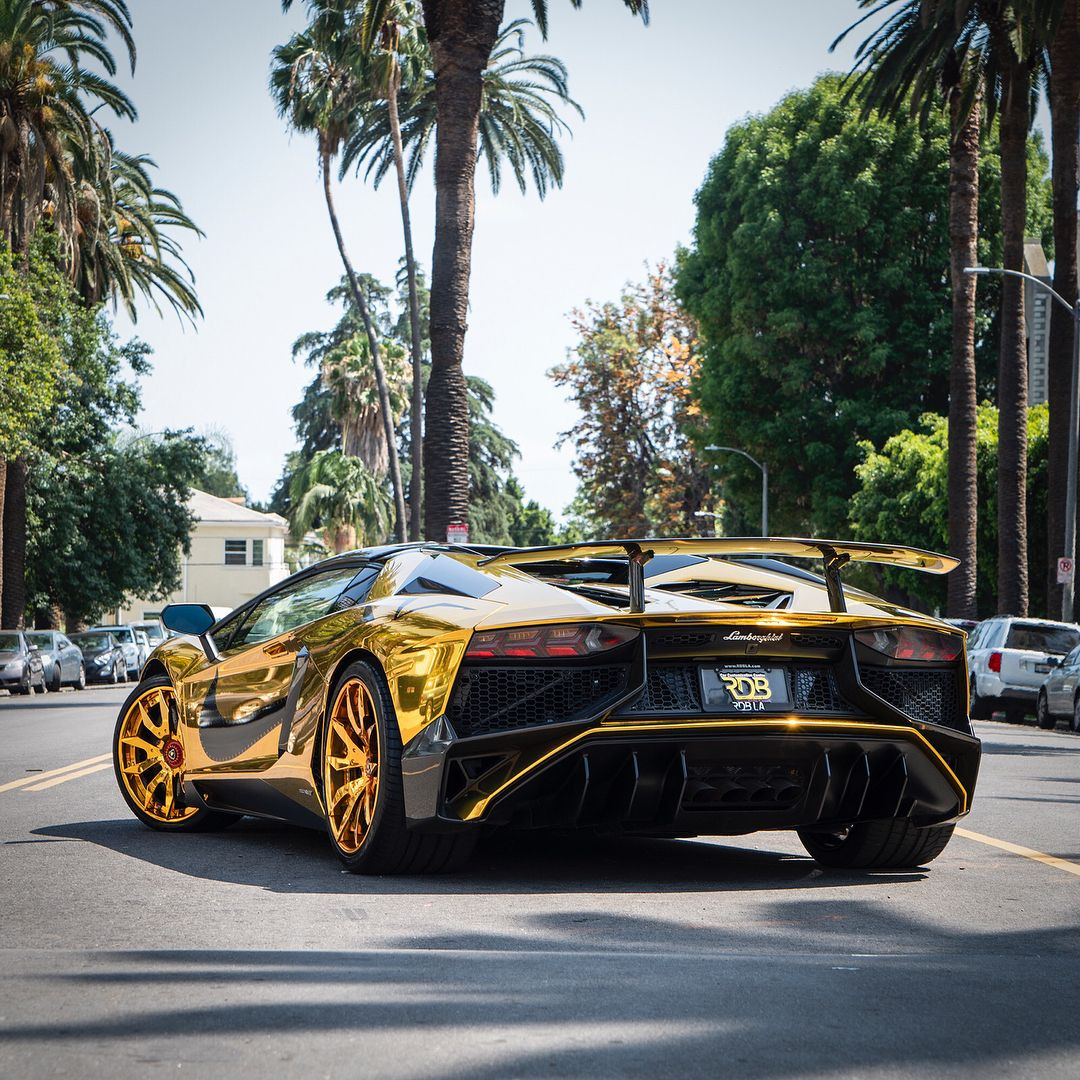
(235, 552)
(256, 552)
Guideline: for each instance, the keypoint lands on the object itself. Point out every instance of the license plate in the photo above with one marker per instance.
(1043, 669)
(744, 689)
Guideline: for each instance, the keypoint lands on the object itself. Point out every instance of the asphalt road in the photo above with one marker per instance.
(249, 953)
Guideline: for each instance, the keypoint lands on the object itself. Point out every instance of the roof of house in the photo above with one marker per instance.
(210, 508)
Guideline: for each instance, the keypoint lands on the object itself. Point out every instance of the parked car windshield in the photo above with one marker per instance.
(1036, 638)
(41, 639)
(9, 643)
(92, 641)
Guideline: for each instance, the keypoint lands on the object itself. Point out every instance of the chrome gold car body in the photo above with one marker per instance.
(351, 765)
(151, 757)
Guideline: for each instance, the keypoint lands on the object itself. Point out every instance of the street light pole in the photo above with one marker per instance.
(1067, 587)
(764, 480)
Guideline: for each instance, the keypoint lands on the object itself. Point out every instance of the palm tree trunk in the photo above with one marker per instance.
(963, 237)
(1065, 129)
(13, 606)
(1012, 364)
(376, 356)
(416, 435)
(462, 34)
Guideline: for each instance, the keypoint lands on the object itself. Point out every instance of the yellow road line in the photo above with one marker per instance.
(69, 776)
(1026, 852)
(38, 777)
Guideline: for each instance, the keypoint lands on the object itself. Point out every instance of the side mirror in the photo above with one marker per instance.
(194, 620)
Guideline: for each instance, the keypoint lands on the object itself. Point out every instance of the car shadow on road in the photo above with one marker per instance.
(282, 858)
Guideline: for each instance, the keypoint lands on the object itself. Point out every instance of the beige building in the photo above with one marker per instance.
(236, 553)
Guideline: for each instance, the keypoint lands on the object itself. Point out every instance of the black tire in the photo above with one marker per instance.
(895, 844)
(57, 679)
(80, 681)
(980, 708)
(201, 820)
(1074, 723)
(26, 687)
(1043, 716)
(389, 846)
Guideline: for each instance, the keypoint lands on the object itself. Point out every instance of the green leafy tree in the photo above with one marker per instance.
(217, 474)
(107, 518)
(631, 375)
(110, 525)
(903, 494)
(818, 276)
(31, 366)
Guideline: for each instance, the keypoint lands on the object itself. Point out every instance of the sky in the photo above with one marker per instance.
(657, 102)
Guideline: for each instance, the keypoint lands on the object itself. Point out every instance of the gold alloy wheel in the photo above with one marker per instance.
(152, 757)
(351, 766)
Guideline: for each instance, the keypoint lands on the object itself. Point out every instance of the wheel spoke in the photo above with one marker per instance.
(137, 743)
(137, 768)
(158, 727)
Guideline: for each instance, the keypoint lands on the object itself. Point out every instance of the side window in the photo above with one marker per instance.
(300, 603)
(976, 636)
(358, 589)
(235, 552)
(62, 642)
(256, 553)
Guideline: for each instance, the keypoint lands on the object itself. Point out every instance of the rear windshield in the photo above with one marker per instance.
(91, 641)
(1036, 638)
(10, 643)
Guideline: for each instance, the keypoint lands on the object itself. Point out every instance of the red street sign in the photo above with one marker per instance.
(457, 533)
(1065, 570)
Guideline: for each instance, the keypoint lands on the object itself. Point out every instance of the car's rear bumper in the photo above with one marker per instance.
(719, 777)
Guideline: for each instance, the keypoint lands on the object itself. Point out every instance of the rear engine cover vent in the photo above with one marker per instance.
(806, 640)
(681, 639)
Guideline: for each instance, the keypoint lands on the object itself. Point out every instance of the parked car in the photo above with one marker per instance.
(125, 637)
(103, 656)
(20, 664)
(62, 660)
(1059, 696)
(145, 648)
(155, 632)
(1009, 659)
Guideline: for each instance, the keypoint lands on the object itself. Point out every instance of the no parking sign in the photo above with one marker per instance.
(1065, 570)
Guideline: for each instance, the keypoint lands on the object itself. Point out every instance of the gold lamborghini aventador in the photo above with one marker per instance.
(406, 698)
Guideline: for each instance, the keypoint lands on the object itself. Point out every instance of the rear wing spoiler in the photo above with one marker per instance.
(833, 553)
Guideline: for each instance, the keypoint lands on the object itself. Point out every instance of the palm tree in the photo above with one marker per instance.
(461, 35)
(347, 374)
(1064, 125)
(519, 122)
(341, 496)
(964, 47)
(123, 245)
(45, 123)
(314, 85)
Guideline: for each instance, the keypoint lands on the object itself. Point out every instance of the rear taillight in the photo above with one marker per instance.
(532, 642)
(912, 643)
(994, 663)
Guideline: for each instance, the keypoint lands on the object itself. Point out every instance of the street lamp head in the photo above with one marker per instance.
(976, 270)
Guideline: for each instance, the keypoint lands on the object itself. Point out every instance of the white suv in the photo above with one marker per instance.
(1009, 658)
